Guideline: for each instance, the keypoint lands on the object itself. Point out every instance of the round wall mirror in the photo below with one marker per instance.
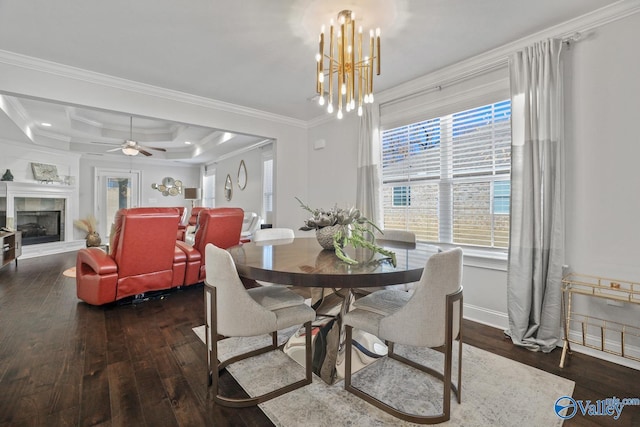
(242, 175)
(228, 188)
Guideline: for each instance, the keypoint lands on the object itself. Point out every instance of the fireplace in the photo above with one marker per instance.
(40, 219)
(44, 215)
(41, 226)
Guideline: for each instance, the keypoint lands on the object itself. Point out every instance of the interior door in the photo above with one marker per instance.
(115, 189)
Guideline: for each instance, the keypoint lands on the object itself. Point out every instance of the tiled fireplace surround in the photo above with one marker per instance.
(37, 201)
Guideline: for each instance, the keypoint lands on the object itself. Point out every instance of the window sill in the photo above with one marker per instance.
(492, 259)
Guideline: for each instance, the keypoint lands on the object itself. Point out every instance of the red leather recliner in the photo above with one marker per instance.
(220, 226)
(143, 257)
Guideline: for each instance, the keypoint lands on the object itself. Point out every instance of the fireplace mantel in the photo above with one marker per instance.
(12, 190)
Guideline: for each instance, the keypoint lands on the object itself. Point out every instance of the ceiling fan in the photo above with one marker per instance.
(130, 147)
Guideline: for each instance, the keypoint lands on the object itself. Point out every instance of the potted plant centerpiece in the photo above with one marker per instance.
(337, 228)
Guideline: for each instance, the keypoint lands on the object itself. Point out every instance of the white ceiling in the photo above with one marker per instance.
(252, 53)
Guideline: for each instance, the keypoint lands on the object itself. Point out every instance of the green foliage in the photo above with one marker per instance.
(355, 230)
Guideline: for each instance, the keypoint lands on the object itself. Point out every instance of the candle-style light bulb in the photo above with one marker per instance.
(330, 108)
(360, 110)
(321, 100)
(339, 113)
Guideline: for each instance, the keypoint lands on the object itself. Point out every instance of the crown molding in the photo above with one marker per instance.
(498, 57)
(41, 65)
(240, 151)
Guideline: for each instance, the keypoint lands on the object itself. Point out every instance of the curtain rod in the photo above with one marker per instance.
(568, 40)
(449, 82)
(575, 37)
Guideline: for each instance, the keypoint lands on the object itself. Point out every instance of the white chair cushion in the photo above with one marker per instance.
(275, 297)
(383, 302)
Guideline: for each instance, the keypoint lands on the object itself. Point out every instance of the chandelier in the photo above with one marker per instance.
(347, 73)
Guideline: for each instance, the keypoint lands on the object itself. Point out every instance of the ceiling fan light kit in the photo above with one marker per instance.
(130, 147)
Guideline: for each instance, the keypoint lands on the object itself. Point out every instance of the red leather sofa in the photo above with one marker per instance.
(220, 226)
(143, 257)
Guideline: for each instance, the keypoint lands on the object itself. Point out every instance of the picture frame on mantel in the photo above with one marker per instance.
(44, 172)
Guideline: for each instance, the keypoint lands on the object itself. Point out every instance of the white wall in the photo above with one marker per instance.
(333, 169)
(249, 199)
(18, 158)
(602, 151)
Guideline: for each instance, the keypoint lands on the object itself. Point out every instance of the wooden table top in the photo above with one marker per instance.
(303, 262)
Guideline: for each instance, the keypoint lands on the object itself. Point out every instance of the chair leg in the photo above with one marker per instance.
(347, 362)
(445, 377)
(245, 402)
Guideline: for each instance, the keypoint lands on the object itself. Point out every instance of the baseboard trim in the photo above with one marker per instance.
(33, 251)
(485, 316)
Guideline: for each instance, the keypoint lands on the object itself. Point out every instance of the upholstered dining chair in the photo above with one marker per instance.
(273, 234)
(395, 235)
(232, 310)
(266, 236)
(430, 317)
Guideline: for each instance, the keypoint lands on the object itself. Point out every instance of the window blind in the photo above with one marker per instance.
(456, 169)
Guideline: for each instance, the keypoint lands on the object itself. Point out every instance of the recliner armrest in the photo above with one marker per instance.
(191, 253)
(98, 260)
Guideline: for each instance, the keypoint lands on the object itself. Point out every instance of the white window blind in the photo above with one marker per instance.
(456, 170)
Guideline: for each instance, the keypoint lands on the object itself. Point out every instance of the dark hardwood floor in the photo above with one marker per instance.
(66, 363)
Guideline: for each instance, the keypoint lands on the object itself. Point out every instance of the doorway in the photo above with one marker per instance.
(115, 189)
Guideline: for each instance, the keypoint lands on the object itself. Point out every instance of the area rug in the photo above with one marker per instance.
(495, 391)
(70, 272)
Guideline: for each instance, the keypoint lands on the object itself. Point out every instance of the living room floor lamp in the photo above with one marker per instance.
(192, 194)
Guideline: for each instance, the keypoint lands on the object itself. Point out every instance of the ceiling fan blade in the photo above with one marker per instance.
(105, 143)
(114, 149)
(152, 148)
(146, 153)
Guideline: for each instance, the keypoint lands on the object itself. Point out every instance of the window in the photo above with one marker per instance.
(267, 188)
(402, 196)
(209, 189)
(501, 195)
(448, 178)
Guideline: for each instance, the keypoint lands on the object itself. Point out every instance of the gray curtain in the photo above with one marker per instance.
(368, 185)
(536, 252)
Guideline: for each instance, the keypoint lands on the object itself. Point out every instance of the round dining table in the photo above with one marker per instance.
(303, 262)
